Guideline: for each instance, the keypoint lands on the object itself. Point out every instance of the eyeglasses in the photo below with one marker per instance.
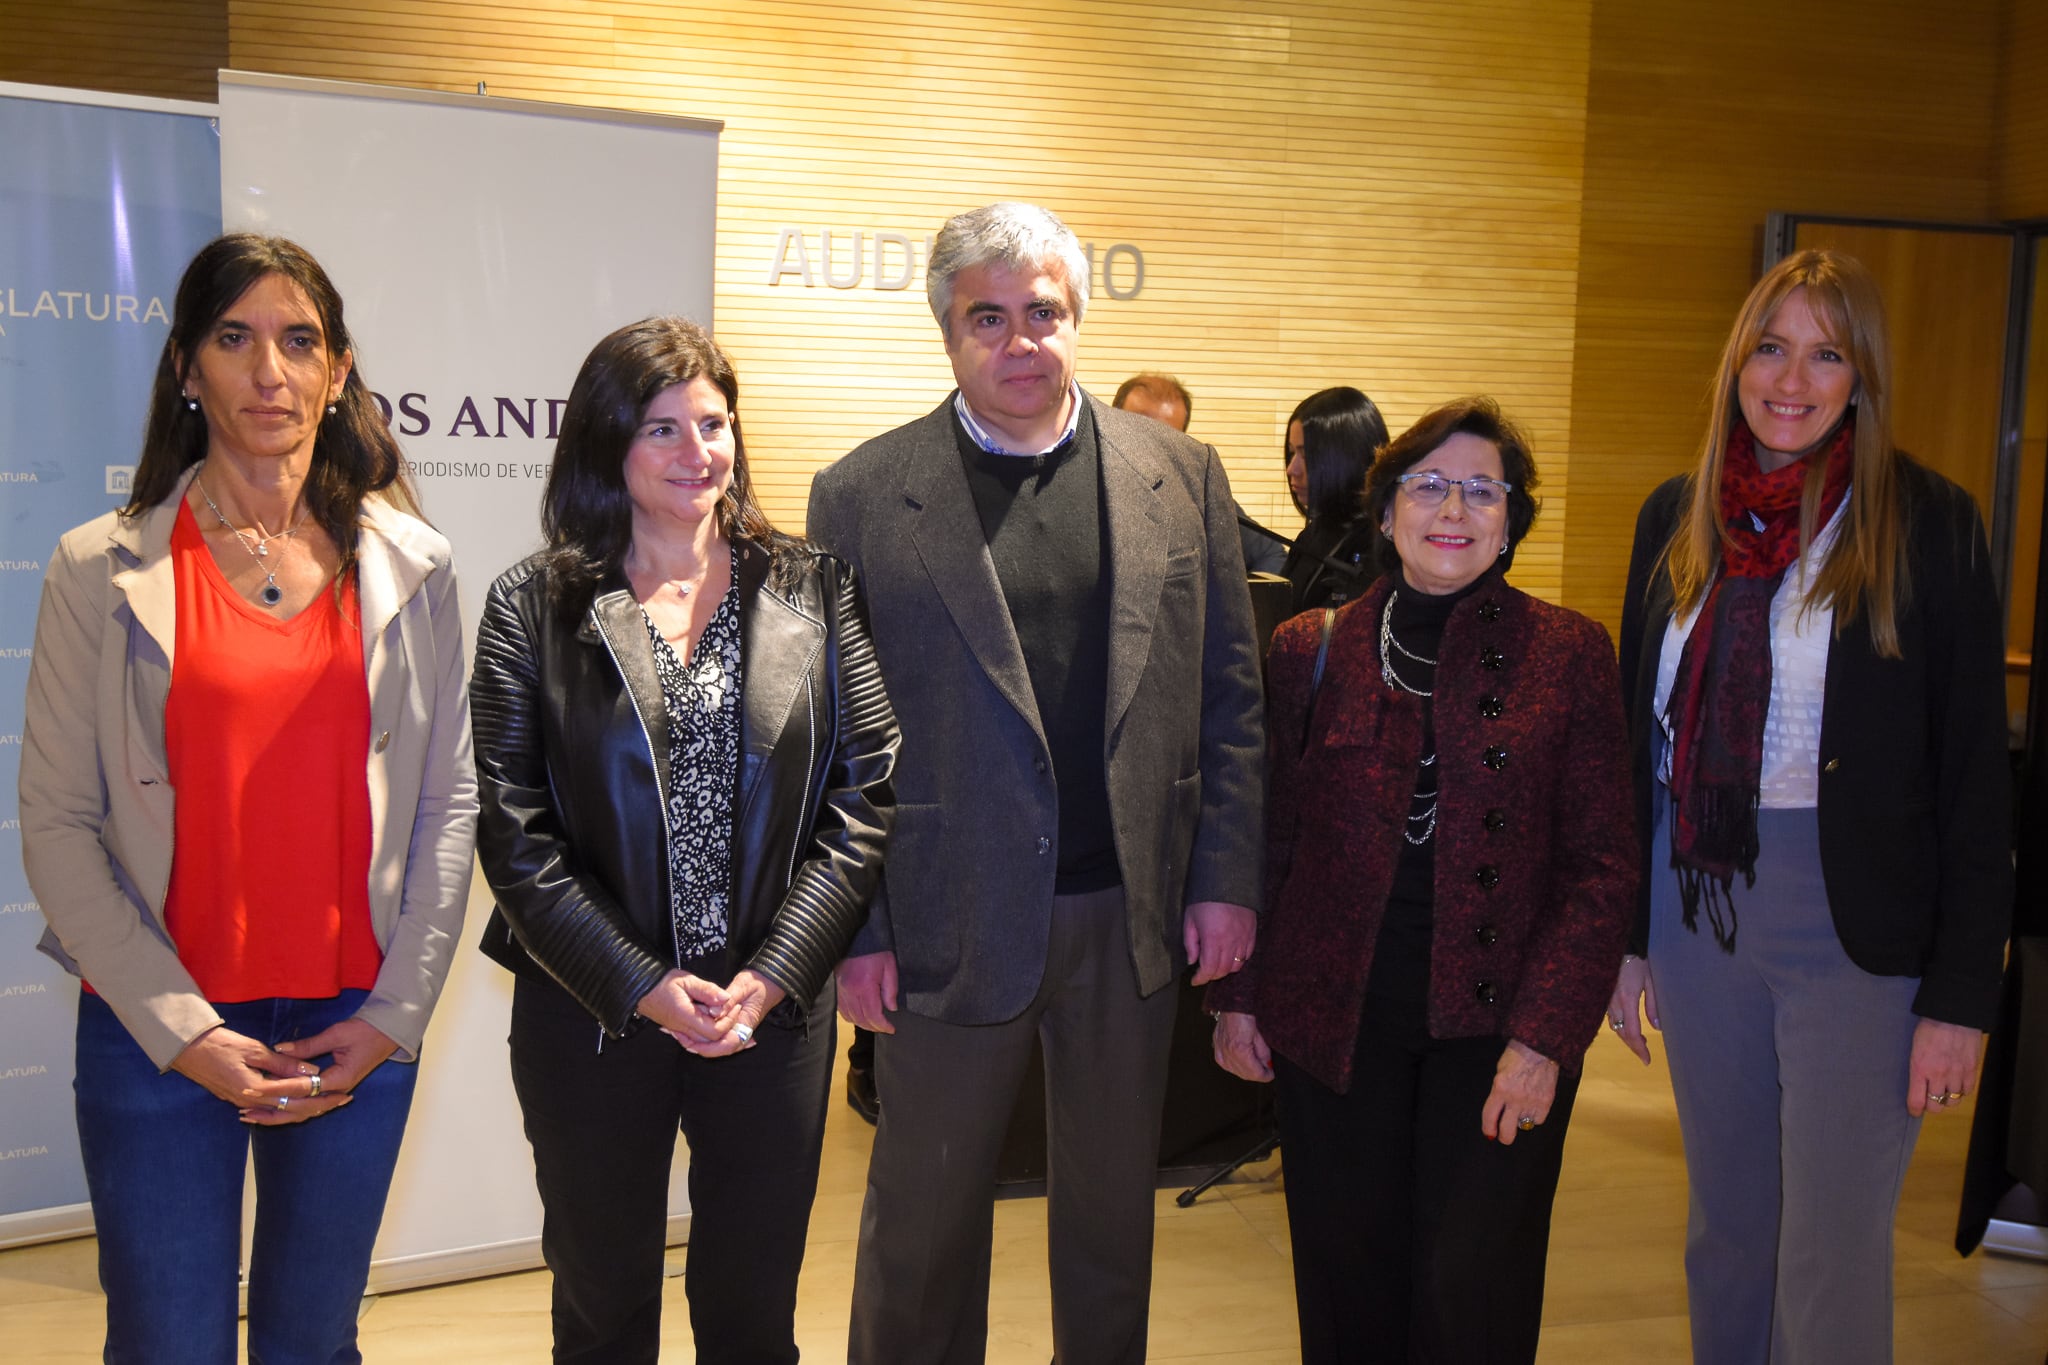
(1428, 489)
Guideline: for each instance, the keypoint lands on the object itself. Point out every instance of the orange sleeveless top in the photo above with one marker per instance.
(267, 731)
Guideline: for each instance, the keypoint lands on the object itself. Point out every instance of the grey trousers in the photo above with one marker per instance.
(1788, 1063)
(921, 1276)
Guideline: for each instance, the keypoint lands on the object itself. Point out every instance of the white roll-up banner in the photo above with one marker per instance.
(481, 247)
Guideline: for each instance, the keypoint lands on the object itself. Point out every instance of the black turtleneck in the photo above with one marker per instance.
(1400, 965)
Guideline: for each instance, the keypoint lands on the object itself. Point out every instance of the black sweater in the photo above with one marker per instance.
(1042, 515)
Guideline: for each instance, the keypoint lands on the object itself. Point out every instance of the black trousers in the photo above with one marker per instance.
(1415, 1238)
(603, 1126)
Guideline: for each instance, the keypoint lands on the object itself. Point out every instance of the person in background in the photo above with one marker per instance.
(1158, 396)
(247, 811)
(685, 757)
(1165, 399)
(1812, 650)
(1450, 869)
(1332, 437)
(861, 1095)
(1061, 614)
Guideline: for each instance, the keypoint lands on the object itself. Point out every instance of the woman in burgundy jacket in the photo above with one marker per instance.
(1451, 872)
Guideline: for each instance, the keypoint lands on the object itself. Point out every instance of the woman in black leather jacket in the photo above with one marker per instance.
(1332, 436)
(684, 754)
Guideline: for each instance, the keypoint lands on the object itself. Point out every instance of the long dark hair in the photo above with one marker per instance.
(1341, 429)
(354, 454)
(586, 511)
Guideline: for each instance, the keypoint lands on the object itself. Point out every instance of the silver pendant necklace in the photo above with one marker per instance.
(258, 546)
(1389, 647)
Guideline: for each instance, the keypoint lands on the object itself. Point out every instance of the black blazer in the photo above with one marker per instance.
(572, 757)
(1915, 801)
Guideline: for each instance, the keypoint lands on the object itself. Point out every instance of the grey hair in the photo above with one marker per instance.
(1014, 236)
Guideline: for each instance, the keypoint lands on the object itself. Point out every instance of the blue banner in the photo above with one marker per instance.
(100, 209)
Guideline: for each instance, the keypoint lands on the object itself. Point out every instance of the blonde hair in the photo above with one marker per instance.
(1866, 571)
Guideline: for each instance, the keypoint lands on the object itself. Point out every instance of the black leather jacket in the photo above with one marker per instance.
(572, 764)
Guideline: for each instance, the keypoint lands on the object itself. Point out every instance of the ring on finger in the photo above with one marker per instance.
(313, 1081)
(1526, 1122)
(283, 1100)
(743, 1032)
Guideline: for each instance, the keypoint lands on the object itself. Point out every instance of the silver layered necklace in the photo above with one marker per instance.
(257, 545)
(1390, 648)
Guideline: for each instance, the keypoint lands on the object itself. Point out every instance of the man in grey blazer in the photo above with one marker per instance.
(1058, 601)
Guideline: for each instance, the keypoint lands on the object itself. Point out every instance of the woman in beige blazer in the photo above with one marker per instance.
(260, 923)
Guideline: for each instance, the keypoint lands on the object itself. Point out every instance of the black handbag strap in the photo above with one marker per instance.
(1315, 678)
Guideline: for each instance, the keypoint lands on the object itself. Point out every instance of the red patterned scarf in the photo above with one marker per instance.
(1723, 688)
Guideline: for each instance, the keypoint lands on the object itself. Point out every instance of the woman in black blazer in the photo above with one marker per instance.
(1811, 649)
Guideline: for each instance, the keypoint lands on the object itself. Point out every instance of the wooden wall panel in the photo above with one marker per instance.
(1391, 196)
(1700, 122)
(1946, 296)
(2023, 113)
(169, 49)
(1385, 196)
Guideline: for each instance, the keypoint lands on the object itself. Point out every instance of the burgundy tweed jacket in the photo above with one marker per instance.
(1536, 857)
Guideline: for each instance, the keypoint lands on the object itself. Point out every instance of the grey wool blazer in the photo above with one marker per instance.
(967, 883)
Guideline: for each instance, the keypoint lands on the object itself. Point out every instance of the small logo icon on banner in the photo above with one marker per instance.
(120, 478)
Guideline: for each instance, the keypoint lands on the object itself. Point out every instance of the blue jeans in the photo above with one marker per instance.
(164, 1163)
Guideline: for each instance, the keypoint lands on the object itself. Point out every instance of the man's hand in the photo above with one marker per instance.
(867, 991)
(1218, 937)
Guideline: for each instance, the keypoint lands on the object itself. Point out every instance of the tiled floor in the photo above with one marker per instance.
(1221, 1292)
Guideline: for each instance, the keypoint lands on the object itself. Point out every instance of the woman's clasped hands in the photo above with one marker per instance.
(280, 1085)
(709, 1020)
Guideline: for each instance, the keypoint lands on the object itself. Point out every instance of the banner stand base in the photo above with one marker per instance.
(45, 1225)
(472, 1263)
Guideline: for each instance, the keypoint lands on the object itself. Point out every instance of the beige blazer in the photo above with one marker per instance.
(97, 806)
